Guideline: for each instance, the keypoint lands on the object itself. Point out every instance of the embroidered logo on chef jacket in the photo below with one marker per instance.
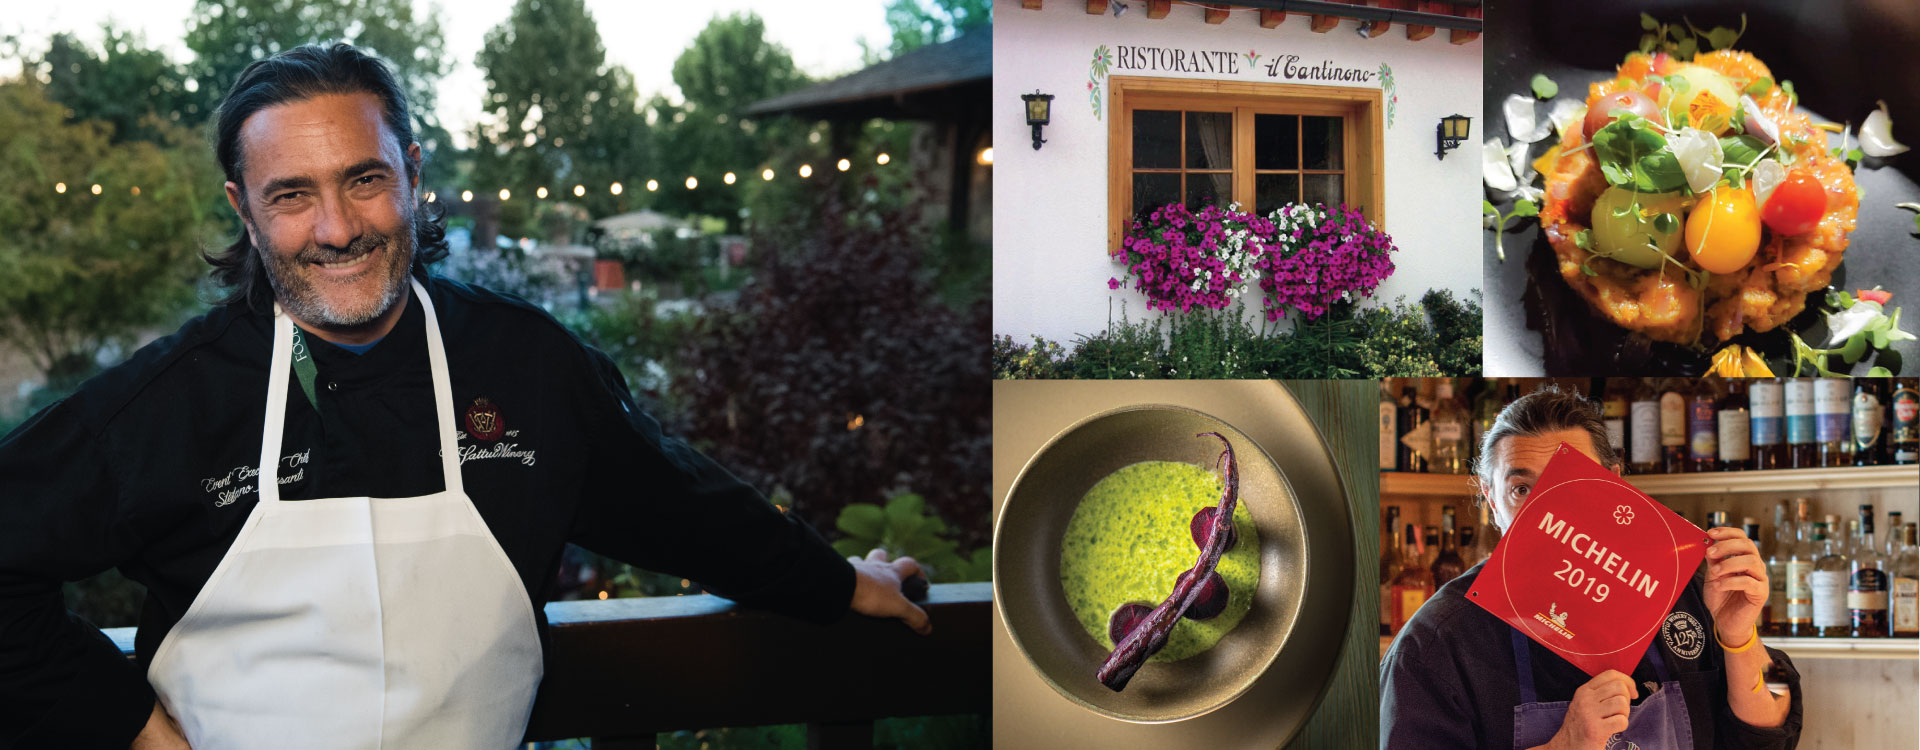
(1683, 635)
(1617, 742)
(484, 421)
(239, 481)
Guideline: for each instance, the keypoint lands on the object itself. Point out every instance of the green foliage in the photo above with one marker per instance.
(124, 84)
(918, 23)
(1439, 336)
(1633, 155)
(906, 527)
(556, 113)
(645, 345)
(729, 65)
(228, 35)
(80, 271)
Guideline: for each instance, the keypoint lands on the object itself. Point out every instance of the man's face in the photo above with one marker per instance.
(329, 206)
(1517, 462)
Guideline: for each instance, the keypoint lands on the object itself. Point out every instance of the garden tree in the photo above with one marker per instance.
(227, 35)
(729, 65)
(840, 376)
(918, 23)
(78, 270)
(556, 113)
(121, 85)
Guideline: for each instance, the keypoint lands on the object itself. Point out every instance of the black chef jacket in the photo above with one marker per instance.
(1448, 680)
(149, 468)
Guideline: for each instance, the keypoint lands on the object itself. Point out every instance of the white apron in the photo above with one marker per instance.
(355, 622)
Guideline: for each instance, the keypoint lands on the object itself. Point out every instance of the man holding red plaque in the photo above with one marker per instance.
(1592, 627)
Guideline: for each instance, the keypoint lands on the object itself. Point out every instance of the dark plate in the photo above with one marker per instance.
(1840, 56)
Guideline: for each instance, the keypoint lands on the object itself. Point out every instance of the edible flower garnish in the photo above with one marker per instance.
(1876, 135)
(1736, 361)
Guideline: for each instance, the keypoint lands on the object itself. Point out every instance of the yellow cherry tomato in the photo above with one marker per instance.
(1723, 232)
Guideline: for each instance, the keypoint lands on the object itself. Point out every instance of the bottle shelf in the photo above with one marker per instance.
(1816, 648)
(1772, 480)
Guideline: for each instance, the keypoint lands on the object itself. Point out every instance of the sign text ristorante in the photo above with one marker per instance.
(1132, 57)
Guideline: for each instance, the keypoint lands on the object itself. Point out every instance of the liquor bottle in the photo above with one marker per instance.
(1903, 435)
(1829, 582)
(1867, 584)
(1769, 424)
(1736, 428)
(1777, 554)
(1801, 448)
(1643, 430)
(1869, 420)
(1447, 565)
(1389, 413)
(1893, 535)
(1486, 536)
(1415, 436)
(1904, 609)
(1430, 549)
(1703, 428)
(1832, 413)
(1389, 567)
(1412, 585)
(1673, 427)
(1451, 425)
(1486, 408)
(1614, 411)
(1799, 571)
(1751, 526)
(1851, 540)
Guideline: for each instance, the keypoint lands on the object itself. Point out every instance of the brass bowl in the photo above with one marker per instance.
(1026, 564)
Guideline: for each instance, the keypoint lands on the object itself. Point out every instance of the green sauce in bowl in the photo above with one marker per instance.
(1130, 538)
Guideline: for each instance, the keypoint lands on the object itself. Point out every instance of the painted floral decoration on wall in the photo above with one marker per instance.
(1102, 60)
(1393, 98)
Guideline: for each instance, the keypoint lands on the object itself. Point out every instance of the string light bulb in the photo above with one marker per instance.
(727, 178)
(615, 188)
(60, 187)
(96, 188)
(844, 165)
(505, 194)
(466, 196)
(767, 174)
(882, 159)
(653, 185)
(693, 182)
(985, 158)
(541, 193)
(135, 190)
(579, 190)
(806, 170)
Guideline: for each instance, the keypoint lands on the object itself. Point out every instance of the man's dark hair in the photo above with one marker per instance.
(1546, 410)
(304, 72)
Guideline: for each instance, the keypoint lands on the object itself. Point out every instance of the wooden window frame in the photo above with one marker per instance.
(1362, 150)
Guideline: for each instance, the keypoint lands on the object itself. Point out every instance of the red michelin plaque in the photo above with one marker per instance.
(1590, 567)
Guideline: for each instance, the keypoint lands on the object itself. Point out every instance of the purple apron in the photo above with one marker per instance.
(1659, 723)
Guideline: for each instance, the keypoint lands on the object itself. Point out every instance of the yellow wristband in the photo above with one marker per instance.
(1747, 645)
(1759, 682)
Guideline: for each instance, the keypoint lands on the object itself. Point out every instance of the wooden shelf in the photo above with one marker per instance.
(1846, 648)
(1817, 648)
(1776, 480)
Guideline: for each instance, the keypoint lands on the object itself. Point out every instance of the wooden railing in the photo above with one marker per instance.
(622, 670)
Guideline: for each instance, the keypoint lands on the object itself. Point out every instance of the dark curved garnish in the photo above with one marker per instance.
(1147, 638)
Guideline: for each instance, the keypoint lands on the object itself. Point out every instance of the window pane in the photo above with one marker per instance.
(1276, 141)
(1214, 189)
(1151, 191)
(1325, 188)
(1156, 139)
(1209, 140)
(1271, 191)
(1323, 143)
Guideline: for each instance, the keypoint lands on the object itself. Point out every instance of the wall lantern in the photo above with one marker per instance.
(1450, 132)
(1039, 112)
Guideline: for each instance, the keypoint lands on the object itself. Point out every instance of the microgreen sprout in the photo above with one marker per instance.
(1497, 221)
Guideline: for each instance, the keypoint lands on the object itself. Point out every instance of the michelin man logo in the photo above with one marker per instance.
(1684, 635)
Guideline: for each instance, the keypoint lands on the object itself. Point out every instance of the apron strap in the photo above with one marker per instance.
(276, 411)
(1523, 664)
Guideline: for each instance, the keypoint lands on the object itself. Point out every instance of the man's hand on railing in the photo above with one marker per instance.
(161, 733)
(877, 593)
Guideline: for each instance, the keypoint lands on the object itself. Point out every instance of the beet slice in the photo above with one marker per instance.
(1202, 522)
(1212, 598)
(1126, 618)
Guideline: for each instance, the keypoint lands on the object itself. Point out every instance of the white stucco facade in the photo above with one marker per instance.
(1050, 264)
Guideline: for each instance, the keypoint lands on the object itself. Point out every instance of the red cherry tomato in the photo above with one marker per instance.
(1796, 206)
(1640, 104)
